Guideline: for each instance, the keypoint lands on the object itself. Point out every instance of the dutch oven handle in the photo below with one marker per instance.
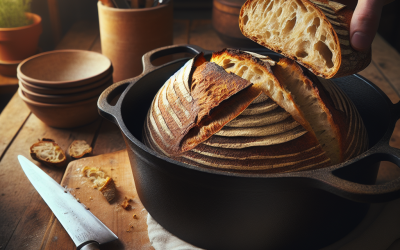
(109, 111)
(361, 192)
(168, 50)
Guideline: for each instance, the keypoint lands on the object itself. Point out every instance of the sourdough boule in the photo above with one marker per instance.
(275, 119)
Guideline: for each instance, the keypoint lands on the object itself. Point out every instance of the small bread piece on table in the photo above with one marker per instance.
(101, 181)
(48, 152)
(79, 148)
(314, 33)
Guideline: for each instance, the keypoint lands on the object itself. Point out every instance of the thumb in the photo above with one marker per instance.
(364, 23)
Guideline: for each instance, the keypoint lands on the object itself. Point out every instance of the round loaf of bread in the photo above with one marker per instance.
(239, 113)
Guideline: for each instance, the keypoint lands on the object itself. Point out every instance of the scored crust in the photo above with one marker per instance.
(309, 101)
(188, 110)
(48, 152)
(314, 33)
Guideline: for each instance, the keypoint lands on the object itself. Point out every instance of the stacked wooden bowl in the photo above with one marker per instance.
(61, 87)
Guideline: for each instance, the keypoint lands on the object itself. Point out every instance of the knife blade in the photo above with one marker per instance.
(85, 229)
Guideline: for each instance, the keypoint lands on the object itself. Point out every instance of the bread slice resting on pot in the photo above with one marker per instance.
(315, 33)
(242, 112)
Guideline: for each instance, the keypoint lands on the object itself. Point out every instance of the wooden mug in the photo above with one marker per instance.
(127, 34)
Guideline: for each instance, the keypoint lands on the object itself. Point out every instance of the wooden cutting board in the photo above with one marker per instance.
(132, 232)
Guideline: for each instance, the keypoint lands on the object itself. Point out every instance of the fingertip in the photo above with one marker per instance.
(361, 41)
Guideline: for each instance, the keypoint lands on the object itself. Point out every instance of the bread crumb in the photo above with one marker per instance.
(78, 200)
(125, 204)
(101, 181)
(134, 216)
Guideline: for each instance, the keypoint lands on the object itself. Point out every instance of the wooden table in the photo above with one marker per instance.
(24, 217)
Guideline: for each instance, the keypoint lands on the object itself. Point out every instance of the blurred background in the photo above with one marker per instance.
(70, 11)
(58, 16)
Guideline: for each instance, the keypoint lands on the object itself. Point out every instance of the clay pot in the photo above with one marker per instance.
(9, 68)
(225, 19)
(20, 42)
(67, 115)
(63, 91)
(64, 68)
(127, 34)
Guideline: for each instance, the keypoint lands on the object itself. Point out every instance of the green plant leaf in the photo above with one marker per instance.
(12, 13)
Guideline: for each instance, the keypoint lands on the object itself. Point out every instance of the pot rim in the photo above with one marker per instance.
(119, 10)
(65, 84)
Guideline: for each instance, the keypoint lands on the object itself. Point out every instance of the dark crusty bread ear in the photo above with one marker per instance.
(48, 152)
(188, 110)
(314, 33)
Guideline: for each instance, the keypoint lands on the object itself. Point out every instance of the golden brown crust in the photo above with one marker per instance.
(266, 82)
(48, 152)
(179, 121)
(108, 189)
(336, 20)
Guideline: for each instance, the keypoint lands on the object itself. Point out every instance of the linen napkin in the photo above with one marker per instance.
(380, 230)
(161, 239)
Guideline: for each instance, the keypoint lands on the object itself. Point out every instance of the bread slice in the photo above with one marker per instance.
(101, 181)
(79, 148)
(330, 123)
(48, 152)
(256, 69)
(314, 33)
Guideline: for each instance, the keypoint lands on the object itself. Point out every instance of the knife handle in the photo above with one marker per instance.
(91, 246)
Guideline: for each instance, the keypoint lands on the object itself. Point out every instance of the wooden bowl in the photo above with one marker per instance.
(63, 91)
(64, 98)
(64, 68)
(67, 115)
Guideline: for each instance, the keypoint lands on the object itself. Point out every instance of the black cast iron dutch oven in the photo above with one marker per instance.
(213, 209)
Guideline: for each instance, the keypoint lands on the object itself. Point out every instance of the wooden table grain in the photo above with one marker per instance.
(24, 217)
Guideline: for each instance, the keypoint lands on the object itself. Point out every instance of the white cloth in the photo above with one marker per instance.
(161, 239)
(380, 230)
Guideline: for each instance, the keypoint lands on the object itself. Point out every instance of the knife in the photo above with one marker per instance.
(86, 231)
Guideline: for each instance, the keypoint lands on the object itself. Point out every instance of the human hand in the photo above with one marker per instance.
(365, 22)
